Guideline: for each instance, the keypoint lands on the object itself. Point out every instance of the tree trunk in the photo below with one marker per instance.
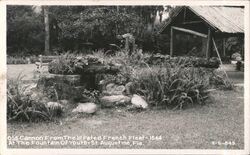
(116, 24)
(47, 34)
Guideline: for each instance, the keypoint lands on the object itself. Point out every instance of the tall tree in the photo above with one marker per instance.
(47, 32)
(25, 30)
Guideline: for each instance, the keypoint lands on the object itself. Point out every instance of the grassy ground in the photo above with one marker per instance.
(194, 128)
(221, 120)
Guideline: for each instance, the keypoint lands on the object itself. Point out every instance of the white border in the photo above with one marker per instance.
(3, 126)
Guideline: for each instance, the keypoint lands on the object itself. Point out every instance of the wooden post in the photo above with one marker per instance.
(208, 43)
(218, 54)
(204, 46)
(224, 47)
(171, 41)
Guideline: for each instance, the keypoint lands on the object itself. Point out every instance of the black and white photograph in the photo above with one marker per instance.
(116, 76)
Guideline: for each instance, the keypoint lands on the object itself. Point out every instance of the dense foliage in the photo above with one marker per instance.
(80, 28)
(24, 31)
(84, 28)
(77, 63)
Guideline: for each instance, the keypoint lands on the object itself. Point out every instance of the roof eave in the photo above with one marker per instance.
(178, 10)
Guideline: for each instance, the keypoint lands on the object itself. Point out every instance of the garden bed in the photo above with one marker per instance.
(122, 79)
(159, 95)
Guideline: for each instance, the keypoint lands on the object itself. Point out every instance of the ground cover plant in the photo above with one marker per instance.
(171, 87)
(23, 106)
(220, 80)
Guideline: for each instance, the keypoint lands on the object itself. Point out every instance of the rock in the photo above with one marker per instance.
(113, 89)
(88, 108)
(120, 89)
(117, 64)
(66, 86)
(139, 102)
(54, 105)
(50, 80)
(110, 86)
(115, 100)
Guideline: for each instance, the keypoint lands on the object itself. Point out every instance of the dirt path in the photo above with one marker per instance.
(28, 70)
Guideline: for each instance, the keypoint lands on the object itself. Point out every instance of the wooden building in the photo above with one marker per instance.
(199, 28)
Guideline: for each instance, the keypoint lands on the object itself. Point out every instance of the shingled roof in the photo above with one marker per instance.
(222, 18)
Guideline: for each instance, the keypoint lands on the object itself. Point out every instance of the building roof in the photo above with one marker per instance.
(223, 18)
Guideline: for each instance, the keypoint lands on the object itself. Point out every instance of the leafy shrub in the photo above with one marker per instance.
(16, 60)
(157, 59)
(21, 59)
(71, 63)
(23, 107)
(126, 65)
(63, 65)
(220, 80)
(92, 96)
(138, 59)
(240, 66)
(174, 87)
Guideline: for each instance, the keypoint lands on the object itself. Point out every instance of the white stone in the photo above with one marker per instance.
(115, 99)
(88, 108)
(120, 88)
(139, 102)
(113, 89)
